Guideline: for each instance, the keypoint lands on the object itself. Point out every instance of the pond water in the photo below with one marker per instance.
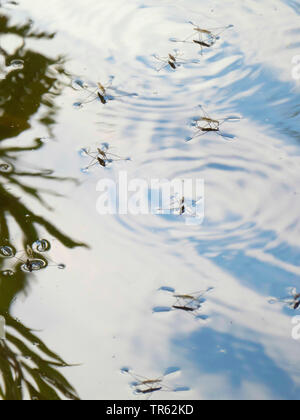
(86, 298)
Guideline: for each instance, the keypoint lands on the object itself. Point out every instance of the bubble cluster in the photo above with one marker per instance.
(7, 273)
(31, 262)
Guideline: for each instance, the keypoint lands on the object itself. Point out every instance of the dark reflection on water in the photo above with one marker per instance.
(29, 368)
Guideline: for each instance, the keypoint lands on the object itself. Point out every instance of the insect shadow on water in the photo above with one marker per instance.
(181, 206)
(173, 61)
(100, 92)
(292, 301)
(142, 385)
(29, 260)
(101, 157)
(205, 38)
(206, 124)
(186, 302)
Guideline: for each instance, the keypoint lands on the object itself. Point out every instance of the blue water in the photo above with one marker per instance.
(99, 311)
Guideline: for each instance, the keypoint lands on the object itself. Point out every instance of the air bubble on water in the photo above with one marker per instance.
(17, 64)
(5, 168)
(42, 245)
(7, 252)
(7, 273)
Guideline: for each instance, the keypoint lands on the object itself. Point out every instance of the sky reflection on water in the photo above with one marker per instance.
(97, 311)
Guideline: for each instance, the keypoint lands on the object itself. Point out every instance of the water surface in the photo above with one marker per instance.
(71, 330)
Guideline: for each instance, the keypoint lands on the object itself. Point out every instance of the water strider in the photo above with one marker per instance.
(173, 61)
(206, 124)
(181, 206)
(102, 92)
(148, 386)
(292, 300)
(205, 38)
(186, 302)
(101, 157)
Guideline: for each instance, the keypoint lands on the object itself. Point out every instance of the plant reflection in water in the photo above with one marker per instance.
(29, 369)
